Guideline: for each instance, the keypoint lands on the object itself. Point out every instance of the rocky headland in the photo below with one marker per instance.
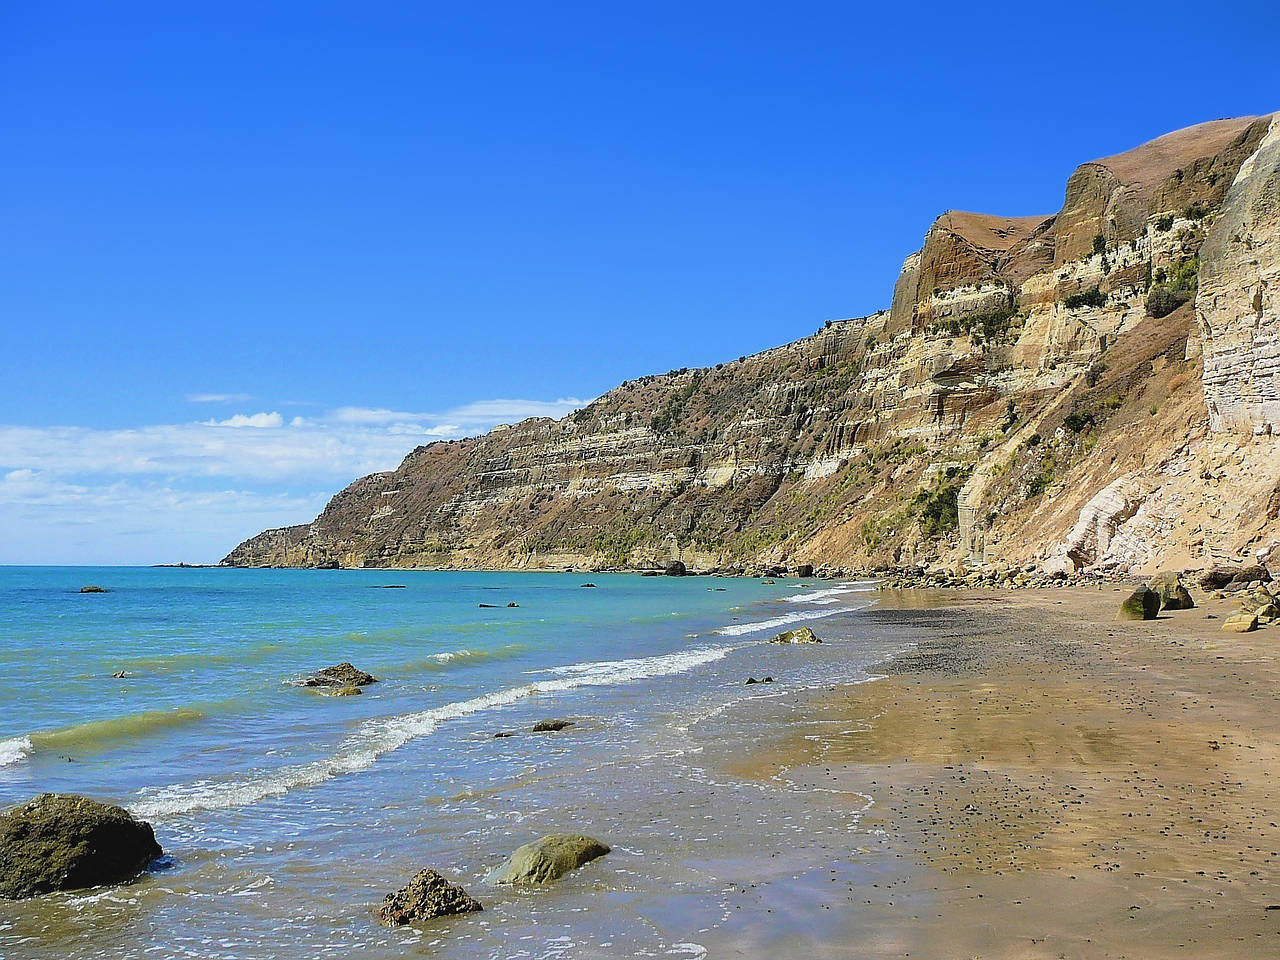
(1088, 392)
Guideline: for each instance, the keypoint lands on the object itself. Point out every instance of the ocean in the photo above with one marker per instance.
(286, 814)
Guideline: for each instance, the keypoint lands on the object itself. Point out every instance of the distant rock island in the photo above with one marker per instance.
(1093, 389)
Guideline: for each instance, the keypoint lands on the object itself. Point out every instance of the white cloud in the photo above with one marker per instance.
(259, 421)
(142, 494)
(218, 397)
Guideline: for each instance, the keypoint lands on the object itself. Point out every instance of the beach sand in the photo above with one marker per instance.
(1039, 781)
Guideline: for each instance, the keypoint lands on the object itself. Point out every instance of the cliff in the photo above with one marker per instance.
(1095, 387)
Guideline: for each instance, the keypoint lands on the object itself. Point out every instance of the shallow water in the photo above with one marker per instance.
(287, 814)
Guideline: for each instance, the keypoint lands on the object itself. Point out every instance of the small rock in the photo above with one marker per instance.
(92, 588)
(547, 859)
(588, 584)
(118, 675)
(751, 680)
(798, 635)
(427, 896)
(501, 734)
(551, 726)
(346, 692)
(513, 604)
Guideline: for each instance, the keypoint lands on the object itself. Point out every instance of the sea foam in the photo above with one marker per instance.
(377, 737)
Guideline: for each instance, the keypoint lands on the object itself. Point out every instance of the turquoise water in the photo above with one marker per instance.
(273, 798)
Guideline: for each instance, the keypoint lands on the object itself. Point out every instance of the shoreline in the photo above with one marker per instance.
(1028, 753)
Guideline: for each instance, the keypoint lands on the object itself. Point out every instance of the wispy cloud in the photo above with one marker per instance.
(259, 421)
(218, 397)
(192, 490)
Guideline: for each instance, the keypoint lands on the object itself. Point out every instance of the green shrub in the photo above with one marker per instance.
(1088, 298)
(1099, 243)
(1195, 212)
(1165, 223)
(1162, 301)
(1078, 420)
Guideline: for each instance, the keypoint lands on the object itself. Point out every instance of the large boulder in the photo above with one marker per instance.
(339, 675)
(798, 635)
(1173, 594)
(427, 896)
(68, 842)
(547, 859)
(1142, 604)
(675, 568)
(1218, 576)
(804, 570)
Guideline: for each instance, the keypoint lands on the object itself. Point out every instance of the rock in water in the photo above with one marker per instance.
(1173, 595)
(340, 675)
(798, 635)
(68, 842)
(92, 588)
(548, 858)
(675, 569)
(1142, 604)
(427, 896)
(551, 726)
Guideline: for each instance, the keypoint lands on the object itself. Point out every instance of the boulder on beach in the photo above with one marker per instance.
(804, 570)
(339, 675)
(1218, 576)
(551, 726)
(92, 588)
(798, 635)
(547, 859)
(1142, 604)
(1173, 594)
(1245, 621)
(68, 842)
(427, 896)
(675, 569)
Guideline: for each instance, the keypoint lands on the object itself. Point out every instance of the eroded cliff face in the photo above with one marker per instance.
(1033, 394)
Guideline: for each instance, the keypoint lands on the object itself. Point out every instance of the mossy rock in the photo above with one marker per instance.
(68, 842)
(1142, 604)
(548, 858)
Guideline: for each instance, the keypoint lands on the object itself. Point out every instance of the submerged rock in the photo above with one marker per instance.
(427, 896)
(551, 726)
(1173, 594)
(798, 635)
(346, 692)
(547, 859)
(339, 675)
(68, 842)
(1142, 604)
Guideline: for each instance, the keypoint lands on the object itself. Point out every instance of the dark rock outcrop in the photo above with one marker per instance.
(339, 675)
(427, 896)
(675, 568)
(551, 726)
(68, 842)
(549, 858)
(92, 588)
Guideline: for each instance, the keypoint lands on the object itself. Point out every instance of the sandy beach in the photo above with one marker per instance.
(1039, 781)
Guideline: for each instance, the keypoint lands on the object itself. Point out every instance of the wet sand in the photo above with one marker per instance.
(1042, 782)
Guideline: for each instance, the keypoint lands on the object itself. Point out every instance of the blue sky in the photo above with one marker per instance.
(253, 250)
